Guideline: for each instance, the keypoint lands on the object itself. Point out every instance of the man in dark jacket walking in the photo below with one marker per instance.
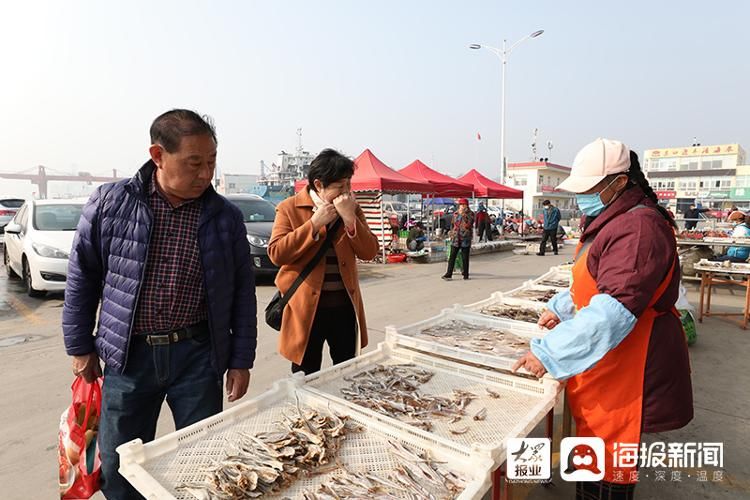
(692, 215)
(168, 260)
(551, 221)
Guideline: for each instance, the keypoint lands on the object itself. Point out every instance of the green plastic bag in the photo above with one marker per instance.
(688, 324)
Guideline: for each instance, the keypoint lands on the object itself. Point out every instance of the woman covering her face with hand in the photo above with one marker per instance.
(328, 306)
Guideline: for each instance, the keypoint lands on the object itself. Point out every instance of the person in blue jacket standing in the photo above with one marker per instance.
(551, 222)
(160, 268)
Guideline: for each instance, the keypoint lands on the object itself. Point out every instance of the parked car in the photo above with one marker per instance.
(8, 208)
(38, 242)
(259, 215)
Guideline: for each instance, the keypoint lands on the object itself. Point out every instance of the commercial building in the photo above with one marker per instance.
(708, 175)
(236, 183)
(538, 180)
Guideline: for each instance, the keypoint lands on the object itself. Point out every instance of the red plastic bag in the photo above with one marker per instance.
(78, 451)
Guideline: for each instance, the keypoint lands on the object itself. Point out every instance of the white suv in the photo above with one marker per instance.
(38, 242)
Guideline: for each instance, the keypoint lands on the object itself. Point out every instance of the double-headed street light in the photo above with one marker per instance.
(503, 55)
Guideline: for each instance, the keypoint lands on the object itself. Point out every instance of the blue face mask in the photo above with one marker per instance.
(592, 204)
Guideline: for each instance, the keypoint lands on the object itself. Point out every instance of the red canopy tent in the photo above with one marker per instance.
(442, 184)
(485, 187)
(371, 174)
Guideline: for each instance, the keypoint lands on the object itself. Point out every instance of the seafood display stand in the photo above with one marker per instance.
(525, 293)
(709, 271)
(517, 405)
(499, 299)
(407, 336)
(157, 468)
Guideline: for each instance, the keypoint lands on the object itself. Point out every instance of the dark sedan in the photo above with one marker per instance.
(258, 215)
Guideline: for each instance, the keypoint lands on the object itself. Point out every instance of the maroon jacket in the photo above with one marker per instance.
(629, 260)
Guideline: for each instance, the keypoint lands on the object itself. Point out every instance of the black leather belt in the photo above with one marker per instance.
(197, 330)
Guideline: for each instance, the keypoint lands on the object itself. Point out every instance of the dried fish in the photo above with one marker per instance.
(524, 314)
(476, 338)
(481, 414)
(255, 465)
(393, 390)
(557, 283)
(535, 294)
(416, 476)
(460, 431)
(492, 394)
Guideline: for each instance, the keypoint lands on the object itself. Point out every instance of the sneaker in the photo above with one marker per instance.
(555, 253)
(446, 278)
(540, 254)
(466, 277)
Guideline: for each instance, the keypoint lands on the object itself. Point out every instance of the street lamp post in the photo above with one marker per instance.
(503, 55)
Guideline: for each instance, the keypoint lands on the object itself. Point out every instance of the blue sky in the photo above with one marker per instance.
(82, 80)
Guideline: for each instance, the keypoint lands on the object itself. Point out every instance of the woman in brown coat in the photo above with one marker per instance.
(328, 306)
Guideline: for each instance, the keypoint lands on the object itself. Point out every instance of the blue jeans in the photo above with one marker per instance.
(131, 402)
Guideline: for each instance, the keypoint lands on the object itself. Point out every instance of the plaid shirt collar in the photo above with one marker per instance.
(154, 190)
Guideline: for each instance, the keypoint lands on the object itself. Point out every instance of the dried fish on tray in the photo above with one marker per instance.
(290, 443)
(393, 390)
(255, 465)
(535, 294)
(556, 283)
(516, 313)
(470, 407)
(464, 335)
(418, 476)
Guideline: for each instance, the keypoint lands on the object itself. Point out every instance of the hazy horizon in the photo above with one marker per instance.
(83, 80)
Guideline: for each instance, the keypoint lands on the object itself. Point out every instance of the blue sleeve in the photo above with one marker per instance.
(562, 305)
(244, 321)
(557, 217)
(83, 285)
(578, 344)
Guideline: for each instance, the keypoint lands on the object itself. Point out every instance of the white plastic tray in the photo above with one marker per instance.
(405, 336)
(529, 285)
(554, 274)
(499, 298)
(522, 404)
(155, 468)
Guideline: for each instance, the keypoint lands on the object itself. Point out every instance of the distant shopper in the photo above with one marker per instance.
(741, 230)
(692, 215)
(415, 240)
(551, 222)
(328, 307)
(482, 223)
(462, 233)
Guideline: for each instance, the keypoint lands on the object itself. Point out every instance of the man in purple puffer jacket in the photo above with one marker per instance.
(165, 262)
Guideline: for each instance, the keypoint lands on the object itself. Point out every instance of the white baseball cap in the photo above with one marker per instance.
(594, 162)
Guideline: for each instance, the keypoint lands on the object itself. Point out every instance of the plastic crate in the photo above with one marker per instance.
(405, 336)
(522, 404)
(529, 285)
(500, 299)
(554, 274)
(156, 468)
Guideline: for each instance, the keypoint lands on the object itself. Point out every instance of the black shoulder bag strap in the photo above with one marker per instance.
(331, 233)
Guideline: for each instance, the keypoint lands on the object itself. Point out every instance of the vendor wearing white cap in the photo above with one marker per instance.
(615, 336)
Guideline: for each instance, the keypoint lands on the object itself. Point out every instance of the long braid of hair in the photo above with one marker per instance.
(636, 176)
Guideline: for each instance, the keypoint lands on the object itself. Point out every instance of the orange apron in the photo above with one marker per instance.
(606, 401)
